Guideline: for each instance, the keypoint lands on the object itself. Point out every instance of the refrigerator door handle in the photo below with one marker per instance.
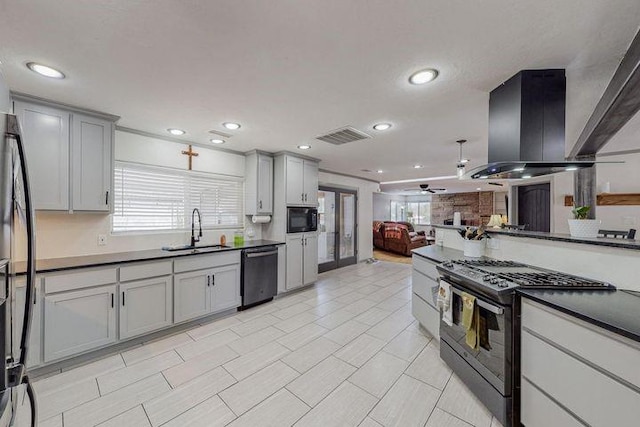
(13, 129)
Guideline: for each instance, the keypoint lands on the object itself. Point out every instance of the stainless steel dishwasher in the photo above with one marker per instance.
(259, 278)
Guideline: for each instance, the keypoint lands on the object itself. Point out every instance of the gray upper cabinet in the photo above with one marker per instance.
(258, 184)
(92, 163)
(69, 155)
(46, 136)
(301, 181)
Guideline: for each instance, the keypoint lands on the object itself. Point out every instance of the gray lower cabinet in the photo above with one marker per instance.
(574, 373)
(198, 293)
(424, 294)
(225, 289)
(302, 259)
(191, 295)
(78, 321)
(145, 306)
(34, 358)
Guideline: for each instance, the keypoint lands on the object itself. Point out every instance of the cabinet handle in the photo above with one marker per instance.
(305, 197)
(123, 299)
(213, 280)
(260, 204)
(111, 300)
(208, 280)
(302, 197)
(106, 198)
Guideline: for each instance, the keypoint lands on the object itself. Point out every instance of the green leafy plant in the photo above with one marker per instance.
(580, 212)
(469, 233)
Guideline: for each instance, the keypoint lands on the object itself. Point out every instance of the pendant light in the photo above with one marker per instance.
(461, 162)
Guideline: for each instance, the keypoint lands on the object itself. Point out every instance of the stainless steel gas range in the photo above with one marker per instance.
(492, 371)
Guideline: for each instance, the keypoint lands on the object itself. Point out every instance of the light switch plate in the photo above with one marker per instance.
(102, 239)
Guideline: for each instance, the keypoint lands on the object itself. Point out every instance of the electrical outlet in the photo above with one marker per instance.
(102, 239)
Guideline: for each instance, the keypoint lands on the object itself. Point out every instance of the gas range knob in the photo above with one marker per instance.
(448, 264)
(486, 277)
(503, 283)
(494, 281)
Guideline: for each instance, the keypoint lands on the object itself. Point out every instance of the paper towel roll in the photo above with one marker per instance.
(260, 219)
(457, 219)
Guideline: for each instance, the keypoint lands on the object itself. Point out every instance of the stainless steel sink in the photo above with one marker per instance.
(192, 247)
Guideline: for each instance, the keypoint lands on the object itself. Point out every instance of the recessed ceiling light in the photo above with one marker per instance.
(44, 70)
(216, 141)
(571, 168)
(304, 147)
(176, 132)
(382, 126)
(417, 166)
(464, 160)
(231, 125)
(423, 76)
(526, 176)
(380, 171)
(478, 189)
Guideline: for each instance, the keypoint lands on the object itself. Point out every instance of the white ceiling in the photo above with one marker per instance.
(291, 70)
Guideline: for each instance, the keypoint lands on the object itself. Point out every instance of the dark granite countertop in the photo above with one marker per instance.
(616, 311)
(559, 237)
(438, 253)
(67, 263)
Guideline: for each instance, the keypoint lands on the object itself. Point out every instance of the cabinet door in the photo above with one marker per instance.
(294, 181)
(265, 185)
(145, 306)
(191, 295)
(46, 138)
(35, 347)
(310, 183)
(310, 258)
(225, 288)
(91, 163)
(78, 321)
(294, 261)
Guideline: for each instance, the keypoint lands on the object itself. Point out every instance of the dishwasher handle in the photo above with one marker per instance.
(261, 254)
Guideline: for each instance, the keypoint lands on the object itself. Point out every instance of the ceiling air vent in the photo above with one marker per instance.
(219, 133)
(343, 136)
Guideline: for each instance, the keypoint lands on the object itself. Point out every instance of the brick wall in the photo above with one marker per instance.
(476, 208)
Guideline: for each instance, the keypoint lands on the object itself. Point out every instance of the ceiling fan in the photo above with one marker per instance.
(424, 189)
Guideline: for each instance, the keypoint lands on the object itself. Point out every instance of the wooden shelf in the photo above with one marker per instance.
(611, 199)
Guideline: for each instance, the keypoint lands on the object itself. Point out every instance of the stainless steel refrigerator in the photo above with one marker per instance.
(16, 222)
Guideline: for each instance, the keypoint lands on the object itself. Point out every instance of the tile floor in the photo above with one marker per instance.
(346, 352)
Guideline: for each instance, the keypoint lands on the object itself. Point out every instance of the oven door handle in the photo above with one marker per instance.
(489, 307)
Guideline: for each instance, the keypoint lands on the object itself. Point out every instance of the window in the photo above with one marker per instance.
(419, 212)
(151, 199)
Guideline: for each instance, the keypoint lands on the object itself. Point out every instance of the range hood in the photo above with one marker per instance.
(527, 128)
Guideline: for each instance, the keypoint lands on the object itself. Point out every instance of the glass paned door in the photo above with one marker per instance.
(326, 226)
(337, 228)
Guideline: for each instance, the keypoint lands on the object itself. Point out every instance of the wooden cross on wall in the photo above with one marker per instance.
(191, 155)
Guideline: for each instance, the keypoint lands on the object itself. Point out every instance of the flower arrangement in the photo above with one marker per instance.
(469, 233)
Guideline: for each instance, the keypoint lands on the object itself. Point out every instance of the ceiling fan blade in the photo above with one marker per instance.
(431, 190)
(496, 184)
(439, 189)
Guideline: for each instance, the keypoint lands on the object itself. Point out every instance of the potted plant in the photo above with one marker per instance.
(580, 226)
(474, 241)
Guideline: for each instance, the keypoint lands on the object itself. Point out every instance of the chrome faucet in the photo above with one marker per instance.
(195, 239)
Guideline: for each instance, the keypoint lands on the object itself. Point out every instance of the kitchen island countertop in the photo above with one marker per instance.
(67, 263)
(616, 311)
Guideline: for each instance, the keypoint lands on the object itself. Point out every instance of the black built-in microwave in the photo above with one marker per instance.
(301, 220)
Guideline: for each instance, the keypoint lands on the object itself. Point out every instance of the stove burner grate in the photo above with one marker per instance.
(553, 280)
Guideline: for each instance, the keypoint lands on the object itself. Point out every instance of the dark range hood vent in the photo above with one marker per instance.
(527, 128)
(526, 117)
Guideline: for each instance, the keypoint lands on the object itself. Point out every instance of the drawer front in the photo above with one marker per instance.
(425, 287)
(591, 395)
(428, 316)
(611, 354)
(145, 270)
(424, 266)
(537, 410)
(79, 280)
(200, 262)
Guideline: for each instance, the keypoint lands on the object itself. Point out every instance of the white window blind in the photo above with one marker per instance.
(149, 199)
